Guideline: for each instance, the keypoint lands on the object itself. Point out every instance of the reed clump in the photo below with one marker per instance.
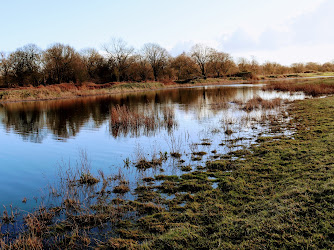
(121, 189)
(175, 154)
(145, 164)
(88, 178)
(258, 102)
(123, 120)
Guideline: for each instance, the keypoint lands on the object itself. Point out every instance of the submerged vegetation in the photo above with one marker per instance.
(275, 194)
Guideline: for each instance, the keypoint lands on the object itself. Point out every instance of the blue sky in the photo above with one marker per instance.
(283, 31)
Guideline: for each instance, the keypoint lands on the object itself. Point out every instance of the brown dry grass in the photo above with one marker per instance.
(307, 88)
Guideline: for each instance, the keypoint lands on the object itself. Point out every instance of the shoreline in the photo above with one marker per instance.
(24, 94)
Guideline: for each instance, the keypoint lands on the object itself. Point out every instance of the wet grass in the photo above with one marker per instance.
(280, 195)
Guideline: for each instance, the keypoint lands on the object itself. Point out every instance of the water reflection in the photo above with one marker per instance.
(64, 119)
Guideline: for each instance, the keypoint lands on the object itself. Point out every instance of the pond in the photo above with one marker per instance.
(39, 137)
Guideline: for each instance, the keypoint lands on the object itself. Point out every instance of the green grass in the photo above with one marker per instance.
(280, 196)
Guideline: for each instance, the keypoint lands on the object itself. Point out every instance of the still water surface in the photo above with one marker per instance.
(35, 137)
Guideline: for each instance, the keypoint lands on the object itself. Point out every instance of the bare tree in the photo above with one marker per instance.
(63, 64)
(298, 67)
(140, 70)
(183, 66)
(25, 65)
(201, 54)
(327, 67)
(4, 68)
(157, 58)
(254, 66)
(94, 63)
(220, 63)
(119, 55)
(271, 68)
(243, 64)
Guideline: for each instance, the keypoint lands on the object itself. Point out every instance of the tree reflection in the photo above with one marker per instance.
(34, 121)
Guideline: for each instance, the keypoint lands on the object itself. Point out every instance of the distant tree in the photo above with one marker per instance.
(327, 67)
(220, 63)
(25, 65)
(254, 66)
(312, 66)
(298, 67)
(120, 57)
(4, 69)
(140, 69)
(183, 66)
(95, 64)
(63, 64)
(243, 64)
(281, 69)
(157, 57)
(271, 68)
(201, 54)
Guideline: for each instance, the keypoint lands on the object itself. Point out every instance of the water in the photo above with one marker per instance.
(37, 137)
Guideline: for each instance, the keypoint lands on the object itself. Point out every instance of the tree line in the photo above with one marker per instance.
(119, 62)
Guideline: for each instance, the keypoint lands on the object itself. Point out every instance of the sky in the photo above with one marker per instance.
(283, 31)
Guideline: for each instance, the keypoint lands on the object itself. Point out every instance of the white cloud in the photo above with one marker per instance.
(304, 36)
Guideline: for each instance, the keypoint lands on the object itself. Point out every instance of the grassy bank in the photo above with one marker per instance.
(278, 194)
(70, 90)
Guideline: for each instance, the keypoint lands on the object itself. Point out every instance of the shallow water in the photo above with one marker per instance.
(37, 137)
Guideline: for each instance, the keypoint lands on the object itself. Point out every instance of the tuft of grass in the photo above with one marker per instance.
(88, 179)
(222, 165)
(175, 154)
(186, 168)
(200, 153)
(121, 189)
(228, 132)
(145, 164)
